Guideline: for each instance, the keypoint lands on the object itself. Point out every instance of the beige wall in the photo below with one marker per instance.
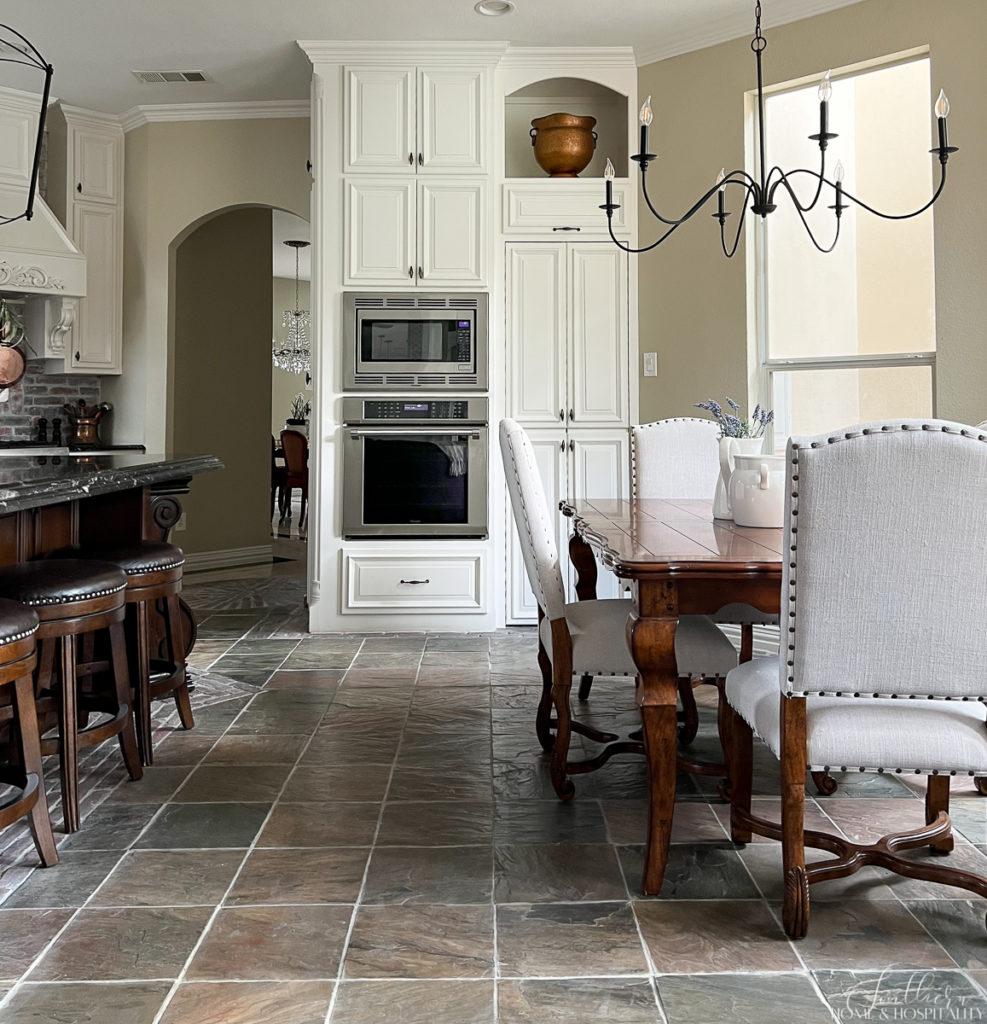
(222, 377)
(176, 175)
(284, 386)
(693, 302)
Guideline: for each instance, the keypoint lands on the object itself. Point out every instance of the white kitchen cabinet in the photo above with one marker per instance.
(380, 119)
(552, 456)
(450, 118)
(537, 309)
(415, 120)
(450, 232)
(598, 332)
(380, 231)
(96, 159)
(95, 341)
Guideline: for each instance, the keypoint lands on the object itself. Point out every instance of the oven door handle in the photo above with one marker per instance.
(358, 432)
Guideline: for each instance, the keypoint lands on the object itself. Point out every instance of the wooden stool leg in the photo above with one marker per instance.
(30, 754)
(175, 631)
(142, 689)
(68, 738)
(128, 736)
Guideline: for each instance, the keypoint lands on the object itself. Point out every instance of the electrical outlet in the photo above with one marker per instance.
(182, 521)
(651, 364)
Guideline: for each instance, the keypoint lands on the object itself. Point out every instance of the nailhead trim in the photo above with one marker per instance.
(886, 428)
(13, 638)
(973, 773)
(135, 569)
(33, 601)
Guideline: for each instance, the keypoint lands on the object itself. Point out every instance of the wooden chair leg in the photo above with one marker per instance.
(825, 784)
(561, 687)
(543, 717)
(39, 820)
(142, 685)
(795, 911)
(741, 771)
(585, 685)
(175, 633)
(936, 800)
(121, 681)
(723, 722)
(746, 642)
(981, 784)
(690, 713)
(68, 737)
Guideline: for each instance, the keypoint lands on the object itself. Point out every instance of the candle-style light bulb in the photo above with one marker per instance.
(647, 115)
(826, 88)
(942, 105)
(608, 176)
(840, 172)
(608, 172)
(720, 195)
(720, 178)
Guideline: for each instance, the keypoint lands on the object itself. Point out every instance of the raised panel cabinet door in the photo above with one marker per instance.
(380, 231)
(380, 120)
(97, 333)
(95, 165)
(551, 455)
(600, 468)
(451, 231)
(536, 333)
(598, 335)
(450, 115)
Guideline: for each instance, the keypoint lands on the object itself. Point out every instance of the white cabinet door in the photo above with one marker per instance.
(95, 164)
(97, 333)
(380, 231)
(380, 119)
(536, 333)
(451, 232)
(598, 332)
(600, 468)
(450, 112)
(550, 453)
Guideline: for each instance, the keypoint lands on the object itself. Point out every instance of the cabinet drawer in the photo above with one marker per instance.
(413, 583)
(551, 207)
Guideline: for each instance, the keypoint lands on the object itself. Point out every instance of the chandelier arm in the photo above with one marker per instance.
(744, 179)
(651, 206)
(40, 62)
(729, 253)
(820, 177)
(901, 216)
(805, 222)
(647, 248)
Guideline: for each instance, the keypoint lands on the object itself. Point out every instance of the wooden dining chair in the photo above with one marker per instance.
(294, 444)
(882, 661)
(277, 481)
(585, 637)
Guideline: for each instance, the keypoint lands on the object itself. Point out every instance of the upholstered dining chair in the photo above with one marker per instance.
(585, 637)
(679, 458)
(294, 444)
(883, 652)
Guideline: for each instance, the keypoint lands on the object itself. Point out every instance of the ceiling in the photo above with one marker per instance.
(286, 225)
(247, 47)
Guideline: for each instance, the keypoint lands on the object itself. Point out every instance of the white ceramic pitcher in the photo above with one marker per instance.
(730, 448)
(757, 490)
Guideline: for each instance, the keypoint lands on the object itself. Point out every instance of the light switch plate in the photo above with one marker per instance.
(651, 364)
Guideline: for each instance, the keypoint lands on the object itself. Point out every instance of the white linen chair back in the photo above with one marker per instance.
(676, 458)
(535, 521)
(885, 574)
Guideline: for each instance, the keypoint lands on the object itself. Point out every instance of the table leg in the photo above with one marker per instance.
(651, 638)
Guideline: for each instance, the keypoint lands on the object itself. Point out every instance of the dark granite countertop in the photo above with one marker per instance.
(31, 481)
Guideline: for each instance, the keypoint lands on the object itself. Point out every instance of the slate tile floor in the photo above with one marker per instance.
(362, 829)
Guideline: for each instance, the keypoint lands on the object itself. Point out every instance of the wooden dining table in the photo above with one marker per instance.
(678, 560)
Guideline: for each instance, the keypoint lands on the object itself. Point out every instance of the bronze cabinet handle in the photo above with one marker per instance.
(421, 160)
(411, 273)
(567, 229)
(561, 446)
(562, 415)
(572, 414)
(572, 446)
(421, 273)
(411, 159)
(415, 583)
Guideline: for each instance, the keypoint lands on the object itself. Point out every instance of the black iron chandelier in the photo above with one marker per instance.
(759, 193)
(17, 49)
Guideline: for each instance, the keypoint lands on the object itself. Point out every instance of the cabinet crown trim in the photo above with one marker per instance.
(449, 52)
(570, 57)
(233, 111)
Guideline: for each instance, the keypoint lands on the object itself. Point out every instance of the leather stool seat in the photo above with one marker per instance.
(60, 581)
(150, 556)
(17, 621)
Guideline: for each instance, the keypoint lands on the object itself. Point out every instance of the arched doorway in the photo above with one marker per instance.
(222, 301)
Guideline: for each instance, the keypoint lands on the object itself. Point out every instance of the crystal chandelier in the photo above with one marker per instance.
(293, 354)
(758, 194)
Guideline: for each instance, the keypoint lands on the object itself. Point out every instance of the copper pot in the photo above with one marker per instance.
(564, 143)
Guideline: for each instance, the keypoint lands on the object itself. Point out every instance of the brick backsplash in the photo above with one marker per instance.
(43, 394)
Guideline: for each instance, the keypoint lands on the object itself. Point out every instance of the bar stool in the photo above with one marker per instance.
(18, 658)
(154, 580)
(75, 599)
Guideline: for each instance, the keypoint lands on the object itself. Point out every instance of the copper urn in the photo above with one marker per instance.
(564, 143)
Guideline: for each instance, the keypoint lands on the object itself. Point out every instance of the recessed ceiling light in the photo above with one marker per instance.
(493, 8)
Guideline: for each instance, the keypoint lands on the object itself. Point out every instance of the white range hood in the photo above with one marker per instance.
(37, 257)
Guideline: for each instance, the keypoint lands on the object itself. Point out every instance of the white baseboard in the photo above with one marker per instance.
(228, 558)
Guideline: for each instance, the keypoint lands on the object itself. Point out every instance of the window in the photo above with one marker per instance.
(849, 336)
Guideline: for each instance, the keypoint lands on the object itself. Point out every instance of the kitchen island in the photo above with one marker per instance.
(55, 500)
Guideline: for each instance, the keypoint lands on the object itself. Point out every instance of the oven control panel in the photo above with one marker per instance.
(414, 410)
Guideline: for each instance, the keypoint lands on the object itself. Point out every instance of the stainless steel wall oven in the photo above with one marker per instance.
(415, 467)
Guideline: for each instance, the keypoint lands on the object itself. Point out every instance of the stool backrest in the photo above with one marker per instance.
(676, 458)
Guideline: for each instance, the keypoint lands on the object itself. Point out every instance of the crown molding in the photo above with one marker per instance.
(234, 111)
(393, 51)
(722, 30)
(569, 56)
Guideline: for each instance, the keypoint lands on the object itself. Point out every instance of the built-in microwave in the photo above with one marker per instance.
(415, 340)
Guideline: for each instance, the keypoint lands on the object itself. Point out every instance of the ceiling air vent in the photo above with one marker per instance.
(158, 77)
